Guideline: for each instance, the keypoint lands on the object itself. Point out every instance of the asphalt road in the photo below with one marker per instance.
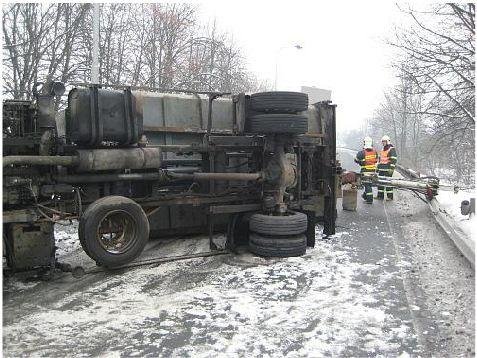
(389, 283)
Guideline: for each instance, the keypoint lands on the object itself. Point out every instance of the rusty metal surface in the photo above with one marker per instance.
(96, 178)
(40, 160)
(111, 159)
(219, 176)
(185, 130)
(227, 209)
(228, 176)
(19, 216)
(196, 201)
(97, 115)
(349, 177)
(196, 133)
(31, 245)
(143, 88)
(182, 112)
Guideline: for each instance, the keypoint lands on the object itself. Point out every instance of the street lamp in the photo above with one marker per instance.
(297, 46)
(95, 52)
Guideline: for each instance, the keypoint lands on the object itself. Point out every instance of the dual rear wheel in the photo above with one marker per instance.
(278, 236)
(278, 113)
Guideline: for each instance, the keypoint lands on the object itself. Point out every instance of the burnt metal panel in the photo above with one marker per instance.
(183, 216)
(30, 245)
(183, 112)
(21, 215)
(160, 219)
(227, 209)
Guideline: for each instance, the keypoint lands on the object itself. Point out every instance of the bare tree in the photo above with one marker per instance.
(440, 55)
(39, 45)
(431, 111)
(155, 45)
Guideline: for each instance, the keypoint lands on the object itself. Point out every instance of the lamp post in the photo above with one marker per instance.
(297, 46)
(95, 52)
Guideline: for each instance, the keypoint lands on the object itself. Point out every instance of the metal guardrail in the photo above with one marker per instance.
(463, 243)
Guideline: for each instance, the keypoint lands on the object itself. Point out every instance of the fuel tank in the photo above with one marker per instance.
(96, 115)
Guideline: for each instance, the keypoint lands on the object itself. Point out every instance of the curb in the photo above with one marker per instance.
(465, 245)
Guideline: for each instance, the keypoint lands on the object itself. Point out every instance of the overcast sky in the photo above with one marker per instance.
(343, 47)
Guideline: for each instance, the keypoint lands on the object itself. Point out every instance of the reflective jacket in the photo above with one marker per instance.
(387, 158)
(367, 159)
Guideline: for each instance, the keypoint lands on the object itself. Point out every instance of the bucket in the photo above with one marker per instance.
(350, 199)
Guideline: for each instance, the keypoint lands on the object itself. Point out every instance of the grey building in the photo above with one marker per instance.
(316, 94)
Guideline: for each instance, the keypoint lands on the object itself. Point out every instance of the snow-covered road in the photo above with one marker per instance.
(388, 284)
(234, 306)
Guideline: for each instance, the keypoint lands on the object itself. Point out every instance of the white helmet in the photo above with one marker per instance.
(386, 138)
(368, 143)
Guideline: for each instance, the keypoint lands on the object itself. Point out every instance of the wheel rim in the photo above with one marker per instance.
(116, 232)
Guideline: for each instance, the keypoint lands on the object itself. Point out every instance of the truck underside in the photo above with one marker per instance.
(133, 164)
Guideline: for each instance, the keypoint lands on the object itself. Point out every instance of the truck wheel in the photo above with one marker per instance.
(113, 231)
(279, 102)
(277, 246)
(278, 123)
(294, 223)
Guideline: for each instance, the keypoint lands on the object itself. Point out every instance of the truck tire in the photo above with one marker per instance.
(279, 102)
(278, 123)
(113, 231)
(81, 237)
(278, 246)
(294, 223)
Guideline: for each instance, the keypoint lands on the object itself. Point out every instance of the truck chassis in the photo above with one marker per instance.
(136, 183)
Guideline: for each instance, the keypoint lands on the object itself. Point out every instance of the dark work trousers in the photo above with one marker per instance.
(385, 172)
(368, 192)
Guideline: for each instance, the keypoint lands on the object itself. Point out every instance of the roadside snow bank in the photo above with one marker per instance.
(450, 202)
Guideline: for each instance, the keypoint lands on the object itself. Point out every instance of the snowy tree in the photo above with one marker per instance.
(40, 43)
(431, 111)
(153, 45)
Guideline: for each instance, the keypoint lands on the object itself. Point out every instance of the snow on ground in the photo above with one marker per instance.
(450, 202)
(237, 306)
(66, 239)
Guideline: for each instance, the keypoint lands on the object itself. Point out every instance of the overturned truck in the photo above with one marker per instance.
(132, 164)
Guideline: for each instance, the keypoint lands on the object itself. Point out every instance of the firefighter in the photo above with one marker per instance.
(386, 164)
(367, 159)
